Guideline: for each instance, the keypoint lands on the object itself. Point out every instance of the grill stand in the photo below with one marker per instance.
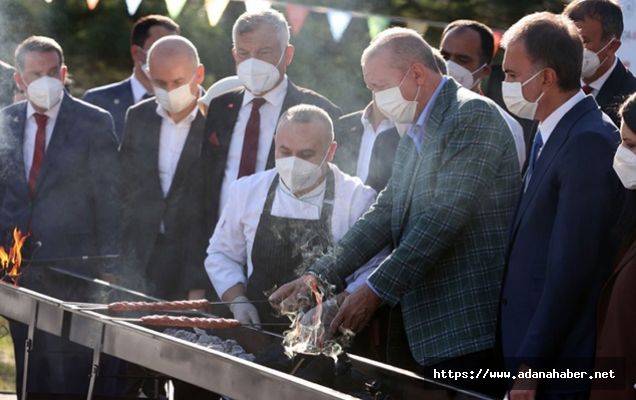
(28, 347)
(97, 353)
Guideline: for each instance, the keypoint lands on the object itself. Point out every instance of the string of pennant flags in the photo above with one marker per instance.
(338, 19)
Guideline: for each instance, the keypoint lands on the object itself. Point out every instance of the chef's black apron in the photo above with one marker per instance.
(285, 247)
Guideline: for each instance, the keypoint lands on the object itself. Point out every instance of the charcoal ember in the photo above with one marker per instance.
(202, 338)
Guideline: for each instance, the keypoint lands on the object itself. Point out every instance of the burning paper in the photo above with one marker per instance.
(11, 262)
(309, 327)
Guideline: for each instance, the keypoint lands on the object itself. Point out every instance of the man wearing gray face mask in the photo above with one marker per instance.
(241, 124)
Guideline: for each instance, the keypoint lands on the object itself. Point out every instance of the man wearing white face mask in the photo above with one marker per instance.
(241, 124)
(280, 220)
(561, 248)
(60, 172)
(603, 75)
(468, 48)
(163, 233)
(445, 212)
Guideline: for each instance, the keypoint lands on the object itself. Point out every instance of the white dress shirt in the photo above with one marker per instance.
(138, 90)
(172, 138)
(230, 248)
(369, 135)
(270, 111)
(546, 127)
(517, 135)
(30, 131)
(600, 81)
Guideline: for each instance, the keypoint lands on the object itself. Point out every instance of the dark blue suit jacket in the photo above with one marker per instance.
(75, 209)
(560, 252)
(114, 98)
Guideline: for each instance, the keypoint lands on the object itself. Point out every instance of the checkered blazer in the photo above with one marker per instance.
(448, 220)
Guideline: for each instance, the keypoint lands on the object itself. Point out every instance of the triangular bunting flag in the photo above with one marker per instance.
(175, 7)
(92, 4)
(257, 5)
(377, 24)
(338, 23)
(419, 26)
(132, 6)
(296, 15)
(215, 9)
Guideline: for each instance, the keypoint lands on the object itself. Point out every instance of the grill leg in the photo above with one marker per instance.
(28, 346)
(97, 353)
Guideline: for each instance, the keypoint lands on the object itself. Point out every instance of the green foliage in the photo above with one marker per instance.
(96, 43)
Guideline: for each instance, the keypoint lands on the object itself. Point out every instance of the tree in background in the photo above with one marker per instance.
(96, 42)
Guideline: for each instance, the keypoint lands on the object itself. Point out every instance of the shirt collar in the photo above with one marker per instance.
(598, 84)
(138, 90)
(276, 96)
(187, 120)
(386, 123)
(51, 112)
(547, 126)
(423, 118)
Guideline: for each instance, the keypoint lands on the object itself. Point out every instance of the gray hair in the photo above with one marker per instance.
(406, 47)
(174, 44)
(40, 44)
(250, 21)
(305, 114)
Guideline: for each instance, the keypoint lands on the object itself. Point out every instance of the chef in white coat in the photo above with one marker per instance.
(279, 221)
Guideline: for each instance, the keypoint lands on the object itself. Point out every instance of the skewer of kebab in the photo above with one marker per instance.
(123, 306)
(191, 322)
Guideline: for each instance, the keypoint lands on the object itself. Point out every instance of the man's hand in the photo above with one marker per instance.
(356, 310)
(287, 297)
(244, 311)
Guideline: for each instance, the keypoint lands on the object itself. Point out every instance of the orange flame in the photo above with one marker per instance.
(10, 263)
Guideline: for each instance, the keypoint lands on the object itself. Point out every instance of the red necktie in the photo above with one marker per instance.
(250, 143)
(587, 89)
(38, 151)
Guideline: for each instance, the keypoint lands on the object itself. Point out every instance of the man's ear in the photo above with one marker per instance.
(19, 81)
(289, 54)
(332, 151)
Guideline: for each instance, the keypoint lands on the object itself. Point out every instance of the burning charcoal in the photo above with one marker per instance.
(186, 335)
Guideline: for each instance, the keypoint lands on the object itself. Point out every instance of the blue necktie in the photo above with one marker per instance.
(537, 144)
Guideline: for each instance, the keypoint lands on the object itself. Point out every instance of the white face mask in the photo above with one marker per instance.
(591, 61)
(45, 92)
(394, 106)
(175, 100)
(625, 167)
(512, 93)
(257, 75)
(298, 174)
(463, 76)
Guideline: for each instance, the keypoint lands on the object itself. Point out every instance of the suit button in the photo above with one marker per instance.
(504, 301)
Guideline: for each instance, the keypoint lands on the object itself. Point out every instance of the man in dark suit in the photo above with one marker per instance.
(60, 170)
(600, 23)
(366, 146)
(240, 124)
(163, 199)
(560, 250)
(117, 97)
